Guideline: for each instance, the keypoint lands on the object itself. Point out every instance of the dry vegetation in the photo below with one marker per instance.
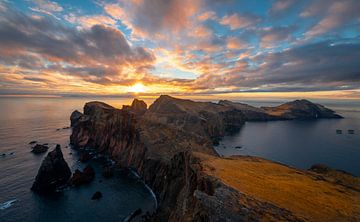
(309, 195)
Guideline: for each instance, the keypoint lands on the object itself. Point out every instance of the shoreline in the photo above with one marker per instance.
(158, 142)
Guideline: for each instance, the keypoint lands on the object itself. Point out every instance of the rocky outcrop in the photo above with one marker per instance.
(97, 195)
(206, 119)
(166, 145)
(301, 109)
(53, 173)
(74, 118)
(84, 177)
(138, 107)
(38, 149)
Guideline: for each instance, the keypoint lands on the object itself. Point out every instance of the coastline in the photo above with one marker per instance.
(165, 154)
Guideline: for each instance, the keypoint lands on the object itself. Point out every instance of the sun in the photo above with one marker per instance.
(137, 88)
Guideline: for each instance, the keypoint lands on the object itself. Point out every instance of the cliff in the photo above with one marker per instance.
(170, 146)
(251, 113)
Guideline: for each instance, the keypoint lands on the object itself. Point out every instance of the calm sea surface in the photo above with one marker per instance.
(25, 119)
(296, 143)
(302, 143)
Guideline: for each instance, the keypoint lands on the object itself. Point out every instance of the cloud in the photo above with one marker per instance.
(206, 16)
(42, 44)
(89, 21)
(281, 5)
(305, 68)
(334, 14)
(273, 35)
(236, 21)
(148, 17)
(235, 43)
(48, 5)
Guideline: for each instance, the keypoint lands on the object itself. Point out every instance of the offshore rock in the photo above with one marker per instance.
(80, 178)
(53, 172)
(97, 195)
(38, 149)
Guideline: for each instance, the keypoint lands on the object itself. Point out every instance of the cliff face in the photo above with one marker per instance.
(206, 119)
(164, 144)
(250, 113)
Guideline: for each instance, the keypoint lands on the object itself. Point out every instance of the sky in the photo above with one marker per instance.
(204, 48)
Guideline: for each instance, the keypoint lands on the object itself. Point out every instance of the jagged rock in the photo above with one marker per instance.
(320, 168)
(97, 195)
(74, 118)
(138, 106)
(38, 148)
(53, 172)
(84, 177)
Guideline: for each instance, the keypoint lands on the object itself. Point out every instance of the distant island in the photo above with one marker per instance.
(171, 146)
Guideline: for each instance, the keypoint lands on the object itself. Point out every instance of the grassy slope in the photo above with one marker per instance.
(307, 194)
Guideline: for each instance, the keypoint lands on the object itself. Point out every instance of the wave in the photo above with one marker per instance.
(7, 204)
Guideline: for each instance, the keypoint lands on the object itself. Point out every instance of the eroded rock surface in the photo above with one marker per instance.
(75, 116)
(82, 177)
(53, 172)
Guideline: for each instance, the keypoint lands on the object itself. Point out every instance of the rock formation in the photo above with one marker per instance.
(301, 109)
(80, 178)
(75, 116)
(169, 146)
(53, 173)
(97, 195)
(251, 113)
(139, 107)
(38, 149)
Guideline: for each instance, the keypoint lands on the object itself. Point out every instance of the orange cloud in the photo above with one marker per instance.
(235, 43)
(236, 21)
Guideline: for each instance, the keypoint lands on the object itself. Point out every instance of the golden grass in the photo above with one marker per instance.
(304, 193)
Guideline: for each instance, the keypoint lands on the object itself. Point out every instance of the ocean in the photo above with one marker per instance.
(296, 143)
(299, 143)
(42, 119)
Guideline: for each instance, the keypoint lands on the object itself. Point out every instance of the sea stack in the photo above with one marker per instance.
(53, 172)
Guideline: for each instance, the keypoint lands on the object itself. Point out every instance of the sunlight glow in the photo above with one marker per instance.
(137, 88)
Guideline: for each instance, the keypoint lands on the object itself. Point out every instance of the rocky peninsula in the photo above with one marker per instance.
(170, 145)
